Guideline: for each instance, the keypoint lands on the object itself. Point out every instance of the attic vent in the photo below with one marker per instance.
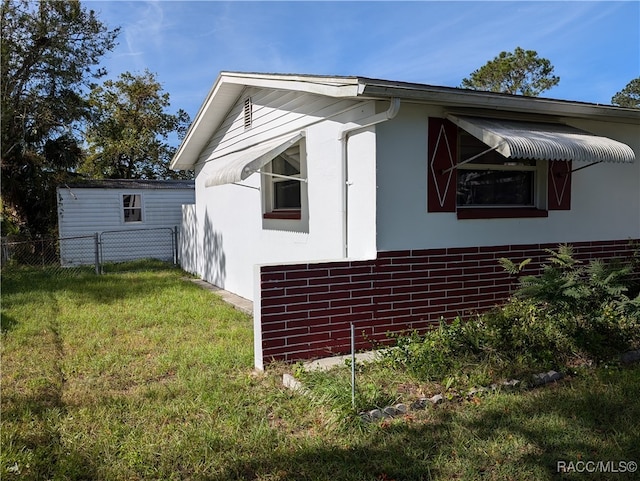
(248, 111)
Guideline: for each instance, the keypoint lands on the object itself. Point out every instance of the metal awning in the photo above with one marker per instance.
(237, 166)
(543, 141)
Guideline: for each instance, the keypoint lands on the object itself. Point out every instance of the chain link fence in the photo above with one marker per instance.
(116, 247)
(102, 252)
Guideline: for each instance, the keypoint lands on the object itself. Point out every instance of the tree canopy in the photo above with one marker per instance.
(518, 72)
(50, 54)
(628, 96)
(128, 137)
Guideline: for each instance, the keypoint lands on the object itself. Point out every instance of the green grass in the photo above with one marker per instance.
(144, 376)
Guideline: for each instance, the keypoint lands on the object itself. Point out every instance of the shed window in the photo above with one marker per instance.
(132, 207)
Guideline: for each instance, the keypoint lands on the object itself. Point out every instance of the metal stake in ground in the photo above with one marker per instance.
(353, 367)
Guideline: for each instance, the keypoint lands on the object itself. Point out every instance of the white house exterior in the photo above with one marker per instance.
(133, 219)
(393, 201)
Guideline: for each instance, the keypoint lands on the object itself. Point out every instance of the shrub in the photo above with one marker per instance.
(566, 284)
(570, 311)
(587, 304)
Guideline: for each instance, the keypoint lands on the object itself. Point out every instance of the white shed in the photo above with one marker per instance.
(132, 219)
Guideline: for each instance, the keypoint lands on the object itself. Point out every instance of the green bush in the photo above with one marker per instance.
(590, 305)
(569, 313)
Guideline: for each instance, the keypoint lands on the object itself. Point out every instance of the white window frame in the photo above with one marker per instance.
(271, 220)
(123, 208)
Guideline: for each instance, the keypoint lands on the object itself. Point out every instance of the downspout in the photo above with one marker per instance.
(389, 114)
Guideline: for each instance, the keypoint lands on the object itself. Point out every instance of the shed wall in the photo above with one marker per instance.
(86, 211)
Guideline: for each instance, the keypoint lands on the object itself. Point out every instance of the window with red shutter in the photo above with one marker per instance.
(467, 177)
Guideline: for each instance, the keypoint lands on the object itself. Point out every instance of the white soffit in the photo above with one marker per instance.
(237, 166)
(543, 141)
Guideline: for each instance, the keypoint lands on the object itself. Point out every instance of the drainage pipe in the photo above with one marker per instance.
(389, 114)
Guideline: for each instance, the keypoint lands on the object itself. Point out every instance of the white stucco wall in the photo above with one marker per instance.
(232, 236)
(605, 201)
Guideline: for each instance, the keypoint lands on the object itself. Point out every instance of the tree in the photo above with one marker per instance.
(50, 53)
(518, 72)
(128, 138)
(628, 96)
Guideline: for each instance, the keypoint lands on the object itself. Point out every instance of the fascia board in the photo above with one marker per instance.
(322, 85)
(460, 98)
(220, 99)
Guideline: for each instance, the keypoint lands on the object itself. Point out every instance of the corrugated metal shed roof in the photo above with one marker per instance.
(132, 184)
(543, 141)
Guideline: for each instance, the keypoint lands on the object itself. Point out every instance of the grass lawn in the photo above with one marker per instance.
(141, 376)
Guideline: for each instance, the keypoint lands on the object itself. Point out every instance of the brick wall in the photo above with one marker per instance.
(306, 309)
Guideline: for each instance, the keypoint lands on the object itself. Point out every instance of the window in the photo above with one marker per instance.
(492, 180)
(468, 177)
(285, 191)
(132, 207)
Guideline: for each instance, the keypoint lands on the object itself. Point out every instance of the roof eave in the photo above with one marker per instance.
(229, 86)
(464, 98)
(225, 92)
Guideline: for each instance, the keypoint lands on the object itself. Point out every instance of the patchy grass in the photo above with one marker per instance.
(590, 415)
(140, 376)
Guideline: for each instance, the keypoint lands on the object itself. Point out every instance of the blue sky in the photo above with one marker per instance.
(594, 46)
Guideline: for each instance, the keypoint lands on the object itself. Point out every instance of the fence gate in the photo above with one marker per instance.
(93, 250)
(128, 245)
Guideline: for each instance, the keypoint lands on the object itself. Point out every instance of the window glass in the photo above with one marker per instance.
(286, 192)
(495, 187)
(286, 164)
(132, 205)
(492, 179)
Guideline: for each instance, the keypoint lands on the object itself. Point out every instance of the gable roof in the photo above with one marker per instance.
(229, 85)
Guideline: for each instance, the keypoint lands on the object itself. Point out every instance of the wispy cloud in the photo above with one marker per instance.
(188, 43)
(143, 30)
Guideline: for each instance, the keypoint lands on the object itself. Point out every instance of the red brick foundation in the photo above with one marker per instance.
(306, 309)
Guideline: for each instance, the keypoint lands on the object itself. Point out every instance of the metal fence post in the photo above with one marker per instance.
(96, 245)
(175, 245)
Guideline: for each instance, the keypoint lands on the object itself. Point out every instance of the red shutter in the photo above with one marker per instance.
(443, 154)
(559, 185)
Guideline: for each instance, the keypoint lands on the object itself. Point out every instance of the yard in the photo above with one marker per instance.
(141, 375)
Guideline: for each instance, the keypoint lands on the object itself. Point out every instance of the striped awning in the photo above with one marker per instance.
(543, 141)
(237, 166)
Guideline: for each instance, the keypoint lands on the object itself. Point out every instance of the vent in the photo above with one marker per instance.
(248, 113)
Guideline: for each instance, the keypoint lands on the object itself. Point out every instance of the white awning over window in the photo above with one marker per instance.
(238, 166)
(543, 141)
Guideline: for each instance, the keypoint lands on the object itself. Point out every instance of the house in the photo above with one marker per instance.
(337, 200)
(133, 219)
